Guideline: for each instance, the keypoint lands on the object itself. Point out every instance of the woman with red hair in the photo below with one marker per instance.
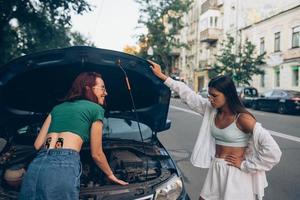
(55, 172)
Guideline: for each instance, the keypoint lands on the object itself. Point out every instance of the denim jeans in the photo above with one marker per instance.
(53, 174)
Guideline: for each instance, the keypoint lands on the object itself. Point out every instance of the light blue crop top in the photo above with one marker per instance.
(230, 136)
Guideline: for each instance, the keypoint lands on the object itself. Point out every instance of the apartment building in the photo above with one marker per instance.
(210, 35)
(189, 57)
(279, 36)
(207, 24)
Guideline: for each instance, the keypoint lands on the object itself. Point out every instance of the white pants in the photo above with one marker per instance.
(224, 182)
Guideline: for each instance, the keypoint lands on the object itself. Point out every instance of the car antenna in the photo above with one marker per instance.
(118, 62)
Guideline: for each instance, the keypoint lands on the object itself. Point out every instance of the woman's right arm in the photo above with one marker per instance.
(193, 100)
(39, 141)
(98, 154)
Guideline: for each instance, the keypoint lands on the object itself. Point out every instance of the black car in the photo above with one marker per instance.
(173, 93)
(31, 85)
(281, 101)
(203, 92)
(247, 95)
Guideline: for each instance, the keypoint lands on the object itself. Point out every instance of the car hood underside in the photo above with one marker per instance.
(37, 82)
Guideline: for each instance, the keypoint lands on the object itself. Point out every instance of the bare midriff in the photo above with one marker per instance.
(223, 151)
(64, 140)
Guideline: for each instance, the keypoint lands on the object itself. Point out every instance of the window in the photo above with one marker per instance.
(268, 93)
(277, 77)
(262, 45)
(296, 37)
(295, 75)
(216, 22)
(211, 21)
(262, 80)
(278, 94)
(125, 129)
(250, 92)
(277, 42)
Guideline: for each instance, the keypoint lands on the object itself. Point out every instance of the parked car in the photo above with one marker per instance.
(173, 93)
(31, 85)
(203, 92)
(247, 94)
(281, 101)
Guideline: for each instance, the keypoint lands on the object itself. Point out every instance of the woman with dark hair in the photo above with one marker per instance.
(236, 149)
(55, 172)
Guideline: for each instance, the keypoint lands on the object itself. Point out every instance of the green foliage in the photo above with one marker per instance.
(78, 39)
(34, 25)
(241, 64)
(163, 20)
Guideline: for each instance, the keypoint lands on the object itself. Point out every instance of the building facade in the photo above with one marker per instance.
(210, 34)
(279, 37)
(209, 21)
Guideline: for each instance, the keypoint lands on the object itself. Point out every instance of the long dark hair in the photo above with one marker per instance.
(225, 84)
(82, 87)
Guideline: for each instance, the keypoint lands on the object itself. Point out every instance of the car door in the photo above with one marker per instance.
(282, 102)
(264, 101)
(273, 101)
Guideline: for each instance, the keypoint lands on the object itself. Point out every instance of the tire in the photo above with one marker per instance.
(282, 109)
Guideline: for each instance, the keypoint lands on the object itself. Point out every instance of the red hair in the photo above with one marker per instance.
(82, 87)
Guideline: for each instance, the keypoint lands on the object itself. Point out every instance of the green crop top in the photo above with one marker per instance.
(76, 117)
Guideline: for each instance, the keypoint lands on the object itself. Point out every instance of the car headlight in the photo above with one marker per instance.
(169, 190)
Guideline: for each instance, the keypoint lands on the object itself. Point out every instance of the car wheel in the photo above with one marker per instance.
(255, 106)
(281, 109)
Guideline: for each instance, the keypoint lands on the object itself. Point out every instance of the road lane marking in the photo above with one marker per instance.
(277, 134)
(185, 110)
(257, 112)
(288, 137)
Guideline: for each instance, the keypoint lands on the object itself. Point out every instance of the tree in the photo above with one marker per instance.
(131, 49)
(78, 39)
(241, 64)
(34, 25)
(163, 20)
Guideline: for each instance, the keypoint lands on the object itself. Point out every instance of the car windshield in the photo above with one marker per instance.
(114, 128)
(251, 92)
(125, 129)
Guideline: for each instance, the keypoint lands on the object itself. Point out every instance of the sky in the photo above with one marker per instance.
(111, 25)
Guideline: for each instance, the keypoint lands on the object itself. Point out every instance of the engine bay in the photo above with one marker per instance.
(127, 164)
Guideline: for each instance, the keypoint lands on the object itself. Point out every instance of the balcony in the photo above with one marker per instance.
(209, 4)
(210, 35)
(291, 54)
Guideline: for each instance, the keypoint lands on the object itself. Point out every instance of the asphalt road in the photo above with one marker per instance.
(284, 179)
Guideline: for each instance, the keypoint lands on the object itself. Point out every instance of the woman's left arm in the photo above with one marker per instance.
(39, 141)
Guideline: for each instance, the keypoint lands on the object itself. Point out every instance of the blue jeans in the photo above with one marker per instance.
(53, 174)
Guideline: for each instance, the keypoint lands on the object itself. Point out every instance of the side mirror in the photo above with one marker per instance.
(168, 124)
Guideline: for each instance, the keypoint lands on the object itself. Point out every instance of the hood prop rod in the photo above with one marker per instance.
(118, 62)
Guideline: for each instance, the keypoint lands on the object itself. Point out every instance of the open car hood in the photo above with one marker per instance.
(36, 82)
